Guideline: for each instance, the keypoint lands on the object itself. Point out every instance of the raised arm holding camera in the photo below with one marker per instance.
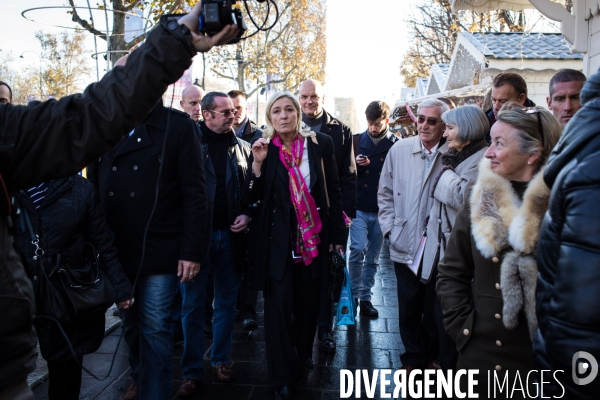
(58, 138)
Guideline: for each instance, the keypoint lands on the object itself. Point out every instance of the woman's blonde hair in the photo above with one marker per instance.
(270, 131)
(525, 121)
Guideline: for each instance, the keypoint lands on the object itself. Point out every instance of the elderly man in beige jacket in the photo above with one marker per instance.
(405, 201)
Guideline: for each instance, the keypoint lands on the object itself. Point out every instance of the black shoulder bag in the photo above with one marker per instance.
(64, 294)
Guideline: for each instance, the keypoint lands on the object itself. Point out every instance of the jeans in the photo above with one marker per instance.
(147, 326)
(366, 241)
(226, 286)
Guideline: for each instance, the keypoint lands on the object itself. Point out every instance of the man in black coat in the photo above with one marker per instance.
(242, 125)
(225, 160)
(171, 243)
(568, 258)
(59, 138)
(507, 86)
(312, 98)
(366, 239)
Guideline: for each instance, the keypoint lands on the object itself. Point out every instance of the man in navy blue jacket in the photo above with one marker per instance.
(371, 148)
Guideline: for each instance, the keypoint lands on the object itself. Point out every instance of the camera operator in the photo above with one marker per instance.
(58, 138)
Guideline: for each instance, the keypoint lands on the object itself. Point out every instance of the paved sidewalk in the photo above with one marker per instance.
(368, 345)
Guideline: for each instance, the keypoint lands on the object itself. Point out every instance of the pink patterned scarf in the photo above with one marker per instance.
(309, 221)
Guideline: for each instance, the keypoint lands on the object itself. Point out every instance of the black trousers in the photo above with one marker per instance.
(64, 379)
(418, 327)
(291, 311)
(247, 296)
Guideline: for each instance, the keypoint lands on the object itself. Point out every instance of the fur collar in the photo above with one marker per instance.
(500, 222)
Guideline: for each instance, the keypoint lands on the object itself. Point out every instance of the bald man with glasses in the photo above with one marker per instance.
(404, 200)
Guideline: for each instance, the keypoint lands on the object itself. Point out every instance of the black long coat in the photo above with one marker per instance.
(68, 217)
(238, 152)
(273, 228)
(126, 177)
(341, 135)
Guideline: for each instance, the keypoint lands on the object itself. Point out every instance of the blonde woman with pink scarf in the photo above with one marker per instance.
(300, 220)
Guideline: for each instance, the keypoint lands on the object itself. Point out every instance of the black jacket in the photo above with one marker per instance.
(367, 182)
(273, 228)
(68, 217)
(344, 157)
(251, 132)
(126, 178)
(569, 256)
(59, 138)
(238, 153)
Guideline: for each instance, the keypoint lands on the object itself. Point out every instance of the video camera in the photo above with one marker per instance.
(216, 14)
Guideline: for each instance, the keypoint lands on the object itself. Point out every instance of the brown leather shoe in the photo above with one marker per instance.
(188, 388)
(130, 393)
(224, 372)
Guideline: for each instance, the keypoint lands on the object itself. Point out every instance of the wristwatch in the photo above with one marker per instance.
(170, 21)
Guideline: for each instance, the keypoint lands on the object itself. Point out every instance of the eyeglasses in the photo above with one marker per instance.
(430, 121)
(225, 113)
(539, 119)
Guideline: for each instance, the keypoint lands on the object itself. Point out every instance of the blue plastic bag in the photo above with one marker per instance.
(345, 308)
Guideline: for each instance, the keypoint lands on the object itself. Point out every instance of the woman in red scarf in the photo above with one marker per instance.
(300, 220)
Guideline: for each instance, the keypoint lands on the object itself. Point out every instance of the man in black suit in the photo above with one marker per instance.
(312, 98)
(171, 244)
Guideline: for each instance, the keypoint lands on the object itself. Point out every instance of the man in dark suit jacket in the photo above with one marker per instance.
(242, 125)
(312, 98)
(171, 244)
(371, 148)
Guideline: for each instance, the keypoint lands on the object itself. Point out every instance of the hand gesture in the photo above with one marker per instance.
(260, 148)
(201, 42)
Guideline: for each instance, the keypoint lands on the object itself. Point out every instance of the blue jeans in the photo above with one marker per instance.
(147, 326)
(366, 241)
(226, 284)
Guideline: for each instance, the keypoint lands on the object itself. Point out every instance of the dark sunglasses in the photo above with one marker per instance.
(430, 121)
(225, 113)
(539, 118)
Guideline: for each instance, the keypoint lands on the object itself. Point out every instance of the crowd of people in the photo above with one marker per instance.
(489, 215)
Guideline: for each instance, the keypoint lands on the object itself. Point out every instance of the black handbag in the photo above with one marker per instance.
(336, 265)
(66, 294)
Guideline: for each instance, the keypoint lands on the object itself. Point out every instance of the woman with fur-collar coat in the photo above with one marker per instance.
(486, 280)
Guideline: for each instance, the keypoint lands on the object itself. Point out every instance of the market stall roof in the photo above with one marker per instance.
(490, 5)
(516, 45)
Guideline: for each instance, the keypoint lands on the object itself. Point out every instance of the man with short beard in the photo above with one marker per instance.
(366, 238)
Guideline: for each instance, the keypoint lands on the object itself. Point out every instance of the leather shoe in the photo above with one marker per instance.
(282, 393)
(224, 372)
(367, 310)
(250, 325)
(327, 344)
(188, 388)
(130, 393)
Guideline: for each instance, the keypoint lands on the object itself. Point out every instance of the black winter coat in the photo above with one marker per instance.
(345, 162)
(569, 256)
(58, 138)
(126, 178)
(68, 217)
(238, 154)
(367, 182)
(273, 227)
(251, 132)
